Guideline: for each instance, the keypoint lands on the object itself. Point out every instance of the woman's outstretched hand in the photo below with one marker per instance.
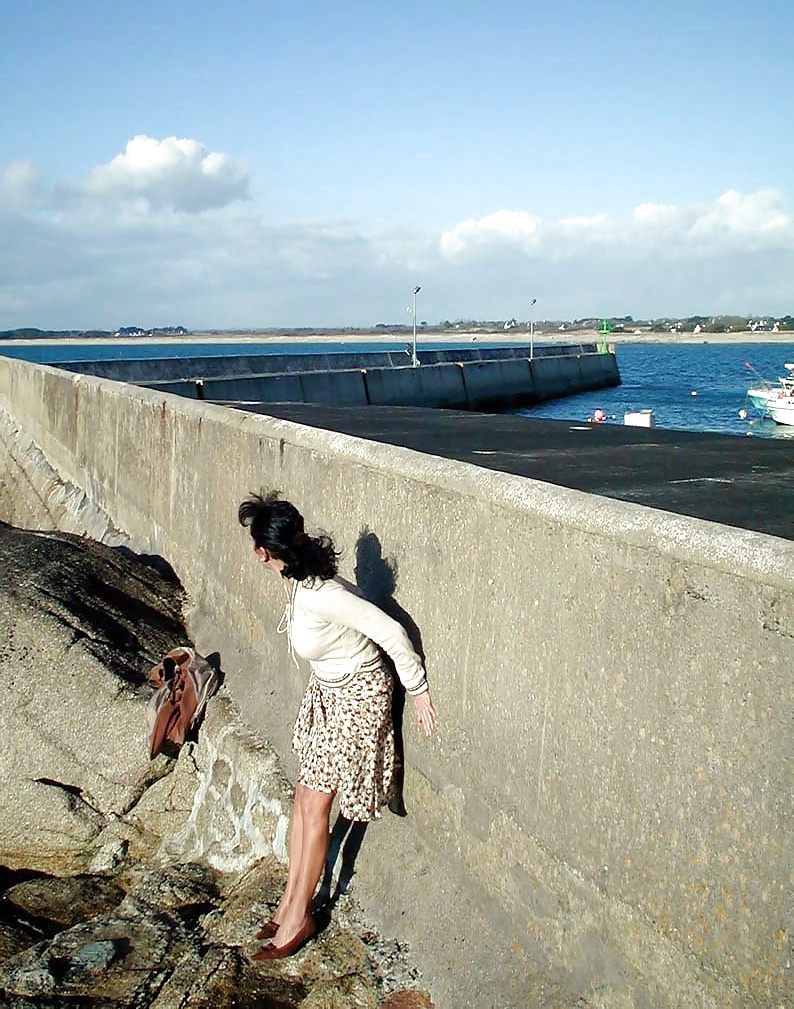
(425, 712)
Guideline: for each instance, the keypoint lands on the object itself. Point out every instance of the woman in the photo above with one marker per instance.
(343, 734)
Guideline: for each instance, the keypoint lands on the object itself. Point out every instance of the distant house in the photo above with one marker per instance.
(131, 331)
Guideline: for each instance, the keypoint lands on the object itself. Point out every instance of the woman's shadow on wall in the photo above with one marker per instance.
(376, 579)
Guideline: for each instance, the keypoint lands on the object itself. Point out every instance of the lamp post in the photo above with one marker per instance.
(414, 358)
(532, 329)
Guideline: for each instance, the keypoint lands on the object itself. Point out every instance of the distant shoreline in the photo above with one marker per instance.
(423, 338)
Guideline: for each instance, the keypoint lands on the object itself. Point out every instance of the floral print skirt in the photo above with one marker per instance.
(344, 739)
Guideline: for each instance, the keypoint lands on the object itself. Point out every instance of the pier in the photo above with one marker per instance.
(469, 378)
(604, 808)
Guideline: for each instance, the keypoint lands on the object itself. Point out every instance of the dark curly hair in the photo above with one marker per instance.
(277, 526)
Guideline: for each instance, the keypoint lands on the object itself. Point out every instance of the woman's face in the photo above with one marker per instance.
(264, 556)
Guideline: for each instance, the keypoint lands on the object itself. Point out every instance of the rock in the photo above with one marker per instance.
(80, 624)
(14, 937)
(249, 900)
(109, 855)
(189, 890)
(121, 956)
(225, 977)
(341, 993)
(109, 959)
(241, 801)
(94, 956)
(174, 941)
(63, 902)
(162, 809)
(406, 999)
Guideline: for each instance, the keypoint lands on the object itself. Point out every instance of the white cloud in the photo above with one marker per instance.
(159, 235)
(172, 173)
(20, 185)
(753, 222)
(502, 226)
(655, 212)
(734, 222)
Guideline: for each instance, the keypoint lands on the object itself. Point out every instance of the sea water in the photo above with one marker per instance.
(689, 386)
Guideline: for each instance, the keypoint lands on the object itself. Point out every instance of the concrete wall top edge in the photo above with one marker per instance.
(740, 552)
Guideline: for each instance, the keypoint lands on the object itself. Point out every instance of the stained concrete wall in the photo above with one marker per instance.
(471, 378)
(159, 370)
(433, 385)
(508, 382)
(603, 813)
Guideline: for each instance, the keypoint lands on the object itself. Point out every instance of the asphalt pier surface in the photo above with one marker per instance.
(746, 482)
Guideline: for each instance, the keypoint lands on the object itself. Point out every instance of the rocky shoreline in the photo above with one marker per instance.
(111, 893)
(167, 937)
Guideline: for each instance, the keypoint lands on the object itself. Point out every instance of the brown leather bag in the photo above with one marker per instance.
(185, 681)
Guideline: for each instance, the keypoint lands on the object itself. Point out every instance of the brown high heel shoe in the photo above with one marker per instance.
(271, 952)
(268, 930)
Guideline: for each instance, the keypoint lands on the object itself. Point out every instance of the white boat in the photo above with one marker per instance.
(761, 394)
(781, 410)
(775, 401)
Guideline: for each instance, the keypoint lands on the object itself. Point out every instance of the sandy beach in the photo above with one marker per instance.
(496, 336)
(423, 338)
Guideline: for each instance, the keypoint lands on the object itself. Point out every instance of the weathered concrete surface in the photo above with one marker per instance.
(468, 378)
(33, 495)
(142, 371)
(435, 385)
(607, 796)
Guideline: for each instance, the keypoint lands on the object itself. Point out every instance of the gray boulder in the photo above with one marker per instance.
(80, 625)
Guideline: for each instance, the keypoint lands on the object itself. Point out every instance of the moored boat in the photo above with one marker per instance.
(760, 395)
(781, 410)
(775, 401)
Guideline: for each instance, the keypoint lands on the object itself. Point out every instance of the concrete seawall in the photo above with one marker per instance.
(471, 378)
(603, 814)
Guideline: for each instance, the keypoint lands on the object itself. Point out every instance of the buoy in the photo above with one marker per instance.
(694, 392)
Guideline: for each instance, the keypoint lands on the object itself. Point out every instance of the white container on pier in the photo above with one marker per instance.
(639, 418)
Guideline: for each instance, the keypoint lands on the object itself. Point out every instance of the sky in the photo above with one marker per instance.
(259, 163)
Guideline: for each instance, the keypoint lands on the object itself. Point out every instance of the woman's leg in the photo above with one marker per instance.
(295, 849)
(313, 812)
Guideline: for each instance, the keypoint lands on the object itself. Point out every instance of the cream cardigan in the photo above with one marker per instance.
(337, 630)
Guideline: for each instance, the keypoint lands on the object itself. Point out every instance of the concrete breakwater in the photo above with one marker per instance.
(471, 378)
(602, 817)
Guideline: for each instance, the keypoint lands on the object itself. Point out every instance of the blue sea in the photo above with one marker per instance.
(692, 387)
(689, 386)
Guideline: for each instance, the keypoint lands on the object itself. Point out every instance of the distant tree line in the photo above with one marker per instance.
(50, 334)
(615, 324)
(30, 333)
